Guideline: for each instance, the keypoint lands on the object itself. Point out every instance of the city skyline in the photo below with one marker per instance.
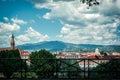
(71, 21)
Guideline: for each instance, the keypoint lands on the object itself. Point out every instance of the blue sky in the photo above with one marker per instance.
(70, 21)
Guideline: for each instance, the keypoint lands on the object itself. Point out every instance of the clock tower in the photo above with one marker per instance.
(12, 43)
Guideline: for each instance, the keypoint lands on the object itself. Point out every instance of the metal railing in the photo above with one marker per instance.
(48, 68)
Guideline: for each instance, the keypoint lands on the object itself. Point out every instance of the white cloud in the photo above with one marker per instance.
(67, 28)
(97, 25)
(30, 36)
(23, 38)
(91, 16)
(18, 21)
(91, 34)
(5, 18)
(8, 28)
(47, 16)
(4, 41)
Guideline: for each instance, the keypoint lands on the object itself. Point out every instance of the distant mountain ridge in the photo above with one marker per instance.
(62, 46)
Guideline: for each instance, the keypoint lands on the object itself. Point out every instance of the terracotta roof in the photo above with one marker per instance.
(4, 49)
(60, 54)
(91, 55)
(23, 53)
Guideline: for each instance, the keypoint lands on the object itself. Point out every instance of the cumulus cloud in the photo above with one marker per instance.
(97, 25)
(13, 25)
(4, 41)
(5, 31)
(7, 28)
(5, 18)
(100, 34)
(30, 36)
(18, 21)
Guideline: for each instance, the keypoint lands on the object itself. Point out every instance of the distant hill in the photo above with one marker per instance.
(62, 46)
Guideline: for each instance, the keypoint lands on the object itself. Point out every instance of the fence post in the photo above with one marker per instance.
(88, 69)
(21, 68)
(84, 68)
(56, 71)
(25, 69)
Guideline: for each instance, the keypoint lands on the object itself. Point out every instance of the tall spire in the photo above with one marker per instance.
(12, 42)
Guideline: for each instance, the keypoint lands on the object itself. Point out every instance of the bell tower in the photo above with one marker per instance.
(12, 43)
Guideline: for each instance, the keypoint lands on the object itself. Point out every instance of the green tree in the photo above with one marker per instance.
(109, 69)
(71, 68)
(10, 62)
(103, 53)
(28, 75)
(43, 63)
(90, 2)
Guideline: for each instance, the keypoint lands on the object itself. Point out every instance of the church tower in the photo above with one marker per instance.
(12, 42)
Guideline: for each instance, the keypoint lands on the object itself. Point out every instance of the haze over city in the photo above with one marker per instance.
(70, 21)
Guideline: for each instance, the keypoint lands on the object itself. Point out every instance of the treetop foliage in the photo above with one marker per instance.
(41, 54)
(10, 54)
(90, 2)
(10, 62)
(41, 65)
(109, 69)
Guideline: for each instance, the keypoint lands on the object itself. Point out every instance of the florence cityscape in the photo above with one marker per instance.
(60, 39)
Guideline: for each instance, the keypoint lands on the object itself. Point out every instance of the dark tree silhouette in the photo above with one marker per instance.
(72, 67)
(10, 62)
(90, 2)
(108, 70)
(103, 53)
(43, 67)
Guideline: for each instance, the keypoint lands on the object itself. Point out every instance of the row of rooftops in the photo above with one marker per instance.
(87, 55)
(26, 54)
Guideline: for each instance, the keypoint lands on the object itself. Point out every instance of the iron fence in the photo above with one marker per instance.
(48, 68)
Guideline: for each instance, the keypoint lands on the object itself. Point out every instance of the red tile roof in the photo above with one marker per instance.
(24, 53)
(4, 49)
